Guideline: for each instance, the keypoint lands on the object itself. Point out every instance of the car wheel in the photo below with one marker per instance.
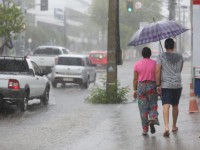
(45, 98)
(23, 104)
(54, 84)
(95, 77)
(86, 84)
(1, 103)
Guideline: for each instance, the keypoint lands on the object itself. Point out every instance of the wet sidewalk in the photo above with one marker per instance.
(186, 138)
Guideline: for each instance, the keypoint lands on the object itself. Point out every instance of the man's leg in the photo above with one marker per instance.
(175, 109)
(166, 108)
(175, 112)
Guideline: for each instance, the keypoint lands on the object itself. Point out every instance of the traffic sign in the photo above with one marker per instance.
(138, 5)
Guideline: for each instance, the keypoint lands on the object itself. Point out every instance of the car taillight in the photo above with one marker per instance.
(13, 84)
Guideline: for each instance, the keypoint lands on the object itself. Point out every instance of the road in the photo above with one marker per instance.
(70, 123)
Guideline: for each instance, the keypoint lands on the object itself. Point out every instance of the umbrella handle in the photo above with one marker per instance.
(158, 37)
(161, 45)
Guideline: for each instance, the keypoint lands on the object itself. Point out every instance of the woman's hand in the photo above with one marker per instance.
(135, 94)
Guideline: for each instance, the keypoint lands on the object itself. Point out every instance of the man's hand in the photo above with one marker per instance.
(159, 90)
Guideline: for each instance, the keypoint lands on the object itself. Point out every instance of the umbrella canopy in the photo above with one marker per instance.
(156, 31)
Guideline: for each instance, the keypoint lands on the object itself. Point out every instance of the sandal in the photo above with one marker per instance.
(152, 128)
(166, 134)
(144, 134)
(175, 130)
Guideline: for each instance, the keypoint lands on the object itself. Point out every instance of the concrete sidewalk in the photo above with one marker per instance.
(187, 137)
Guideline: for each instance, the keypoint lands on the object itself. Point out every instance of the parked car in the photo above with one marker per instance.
(22, 80)
(73, 69)
(98, 57)
(46, 56)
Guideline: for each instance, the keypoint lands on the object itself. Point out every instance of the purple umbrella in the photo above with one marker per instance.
(156, 31)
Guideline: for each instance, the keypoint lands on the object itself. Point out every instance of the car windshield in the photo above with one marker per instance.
(70, 61)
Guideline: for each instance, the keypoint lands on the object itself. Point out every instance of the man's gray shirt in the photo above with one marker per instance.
(171, 67)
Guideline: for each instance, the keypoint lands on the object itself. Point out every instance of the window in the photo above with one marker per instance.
(36, 68)
(12, 65)
(98, 55)
(65, 51)
(70, 61)
(47, 51)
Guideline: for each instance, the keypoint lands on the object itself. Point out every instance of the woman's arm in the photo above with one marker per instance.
(135, 83)
(158, 74)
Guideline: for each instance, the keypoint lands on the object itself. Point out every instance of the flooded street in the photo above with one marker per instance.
(47, 43)
(69, 123)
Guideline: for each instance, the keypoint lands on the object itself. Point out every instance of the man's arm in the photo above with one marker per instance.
(182, 66)
(158, 77)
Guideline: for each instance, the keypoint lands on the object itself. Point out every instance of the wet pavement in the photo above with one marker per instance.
(187, 137)
(68, 123)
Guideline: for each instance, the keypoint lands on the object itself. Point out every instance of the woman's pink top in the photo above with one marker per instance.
(145, 69)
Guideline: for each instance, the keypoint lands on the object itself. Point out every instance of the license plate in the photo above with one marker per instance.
(67, 79)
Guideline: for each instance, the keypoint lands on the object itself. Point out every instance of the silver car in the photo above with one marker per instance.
(73, 69)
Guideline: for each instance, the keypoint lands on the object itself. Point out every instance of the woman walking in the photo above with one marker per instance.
(144, 85)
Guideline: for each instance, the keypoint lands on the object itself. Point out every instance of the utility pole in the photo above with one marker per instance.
(171, 8)
(183, 7)
(65, 26)
(113, 45)
(179, 41)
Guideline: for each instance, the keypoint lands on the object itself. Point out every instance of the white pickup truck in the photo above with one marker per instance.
(46, 56)
(22, 80)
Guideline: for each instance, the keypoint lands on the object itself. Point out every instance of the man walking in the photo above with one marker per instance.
(168, 80)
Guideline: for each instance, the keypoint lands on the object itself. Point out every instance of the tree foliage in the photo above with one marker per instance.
(129, 22)
(11, 23)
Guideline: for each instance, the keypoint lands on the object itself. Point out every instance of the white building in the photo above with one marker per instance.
(76, 14)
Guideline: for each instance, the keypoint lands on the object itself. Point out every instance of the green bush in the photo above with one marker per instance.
(110, 96)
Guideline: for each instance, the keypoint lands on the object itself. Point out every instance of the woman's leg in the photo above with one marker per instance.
(153, 103)
(143, 114)
(153, 106)
(143, 106)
